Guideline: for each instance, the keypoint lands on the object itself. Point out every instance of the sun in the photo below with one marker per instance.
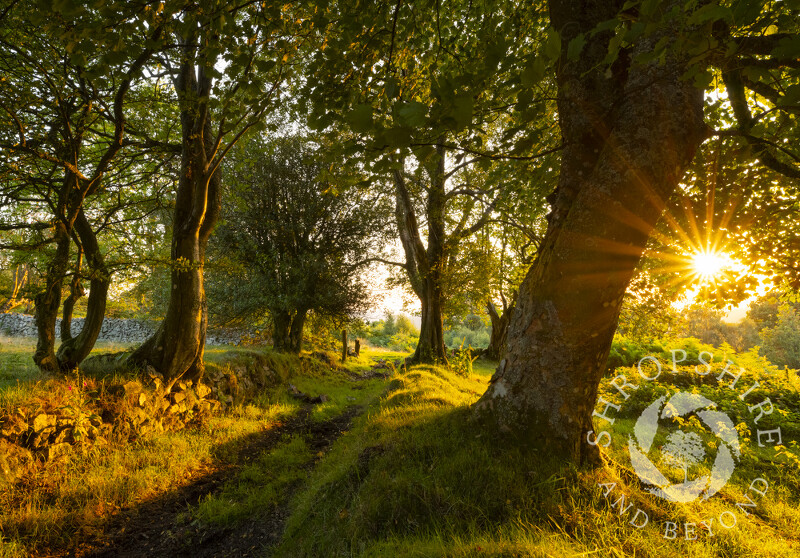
(708, 264)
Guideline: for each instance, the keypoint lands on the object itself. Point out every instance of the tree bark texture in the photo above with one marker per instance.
(628, 136)
(47, 302)
(287, 334)
(498, 340)
(76, 292)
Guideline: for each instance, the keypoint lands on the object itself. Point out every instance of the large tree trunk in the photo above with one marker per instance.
(176, 348)
(430, 346)
(281, 328)
(47, 302)
(74, 350)
(296, 335)
(76, 292)
(628, 139)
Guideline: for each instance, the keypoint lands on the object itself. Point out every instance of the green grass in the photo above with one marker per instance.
(61, 499)
(259, 487)
(417, 477)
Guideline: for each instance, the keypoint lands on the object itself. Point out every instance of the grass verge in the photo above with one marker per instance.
(416, 477)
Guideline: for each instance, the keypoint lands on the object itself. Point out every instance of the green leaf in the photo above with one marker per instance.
(265, 65)
(411, 114)
(392, 87)
(788, 47)
(746, 11)
(360, 118)
(462, 111)
(575, 47)
(552, 44)
(533, 72)
(792, 95)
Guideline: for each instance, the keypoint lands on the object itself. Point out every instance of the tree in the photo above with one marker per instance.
(298, 242)
(431, 93)
(632, 119)
(228, 68)
(781, 343)
(65, 128)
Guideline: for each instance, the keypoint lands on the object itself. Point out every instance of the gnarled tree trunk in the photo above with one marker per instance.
(176, 348)
(48, 301)
(76, 292)
(287, 330)
(74, 350)
(424, 265)
(498, 340)
(628, 139)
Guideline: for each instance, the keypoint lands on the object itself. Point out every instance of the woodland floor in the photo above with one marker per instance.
(161, 527)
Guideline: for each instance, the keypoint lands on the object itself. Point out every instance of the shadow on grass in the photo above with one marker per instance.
(163, 525)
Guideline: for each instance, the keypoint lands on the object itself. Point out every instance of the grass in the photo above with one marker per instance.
(417, 477)
(259, 487)
(62, 502)
(61, 499)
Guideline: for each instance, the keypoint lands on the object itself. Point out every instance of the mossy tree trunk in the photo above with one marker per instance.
(628, 139)
(287, 330)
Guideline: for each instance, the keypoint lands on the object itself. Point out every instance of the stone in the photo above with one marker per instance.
(202, 391)
(14, 461)
(177, 397)
(142, 399)
(43, 421)
(132, 388)
(13, 426)
(64, 422)
(40, 439)
(62, 435)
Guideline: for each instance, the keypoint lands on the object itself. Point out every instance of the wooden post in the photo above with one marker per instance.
(358, 347)
(344, 344)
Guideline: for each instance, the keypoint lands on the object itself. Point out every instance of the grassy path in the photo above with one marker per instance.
(167, 525)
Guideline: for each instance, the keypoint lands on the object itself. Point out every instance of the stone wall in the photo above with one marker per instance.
(118, 330)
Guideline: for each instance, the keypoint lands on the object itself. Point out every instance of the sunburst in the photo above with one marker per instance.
(707, 265)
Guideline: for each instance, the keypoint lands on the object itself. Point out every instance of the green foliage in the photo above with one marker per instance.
(299, 241)
(394, 332)
(781, 343)
(458, 335)
(461, 361)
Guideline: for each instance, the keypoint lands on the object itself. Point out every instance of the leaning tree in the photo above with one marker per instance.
(631, 83)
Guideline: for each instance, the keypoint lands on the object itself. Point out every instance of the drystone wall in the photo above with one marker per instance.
(118, 330)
